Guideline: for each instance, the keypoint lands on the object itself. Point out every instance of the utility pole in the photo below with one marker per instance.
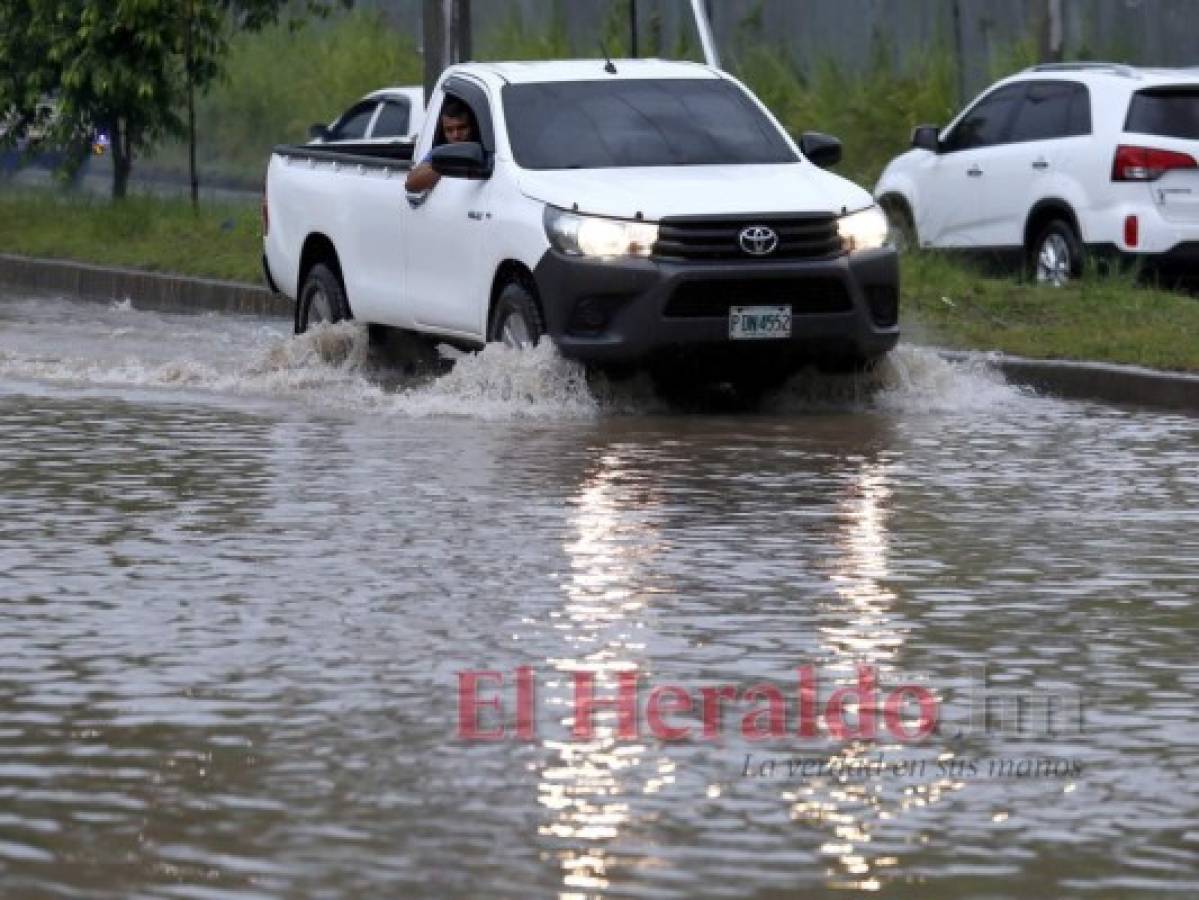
(447, 37)
(1051, 32)
(633, 50)
(190, 65)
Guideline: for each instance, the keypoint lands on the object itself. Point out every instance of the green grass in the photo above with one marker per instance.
(280, 81)
(159, 235)
(1107, 318)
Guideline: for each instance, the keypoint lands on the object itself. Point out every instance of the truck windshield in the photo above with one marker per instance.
(616, 124)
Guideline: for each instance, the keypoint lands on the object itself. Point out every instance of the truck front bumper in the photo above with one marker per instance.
(631, 311)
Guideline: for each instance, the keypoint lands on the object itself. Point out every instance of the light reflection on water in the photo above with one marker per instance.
(233, 621)
(586, 786)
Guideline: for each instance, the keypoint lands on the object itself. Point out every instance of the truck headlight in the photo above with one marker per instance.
(578, 235)
(866, 229)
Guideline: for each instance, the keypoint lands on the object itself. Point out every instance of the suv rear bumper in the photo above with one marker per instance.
(631, 310)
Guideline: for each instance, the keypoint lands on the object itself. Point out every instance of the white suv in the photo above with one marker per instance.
(1056, 162)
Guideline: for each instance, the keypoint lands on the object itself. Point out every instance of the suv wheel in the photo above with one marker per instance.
(322, 299)
(1056, 256)
(516, 322)
(902, 226)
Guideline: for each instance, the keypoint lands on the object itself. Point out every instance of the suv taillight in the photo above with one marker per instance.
(1147, 164)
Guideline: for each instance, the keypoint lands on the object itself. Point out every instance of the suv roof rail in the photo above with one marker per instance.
(1115, 68)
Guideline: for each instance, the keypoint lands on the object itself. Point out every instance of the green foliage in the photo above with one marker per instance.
(1109, 317)
(123, 67)
(872, 112)
(1014, 57)
(281, 80)
(513, 39)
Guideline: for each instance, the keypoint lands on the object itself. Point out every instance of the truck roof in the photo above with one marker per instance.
(593, 70)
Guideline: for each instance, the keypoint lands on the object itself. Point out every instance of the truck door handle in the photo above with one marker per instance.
(974, 171)
(1040, 165)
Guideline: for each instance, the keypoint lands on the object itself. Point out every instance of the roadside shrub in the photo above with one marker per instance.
(281, 80)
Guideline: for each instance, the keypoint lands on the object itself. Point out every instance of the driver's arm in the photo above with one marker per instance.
(422, 178)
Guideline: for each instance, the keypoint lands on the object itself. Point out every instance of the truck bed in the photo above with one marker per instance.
(389, 156)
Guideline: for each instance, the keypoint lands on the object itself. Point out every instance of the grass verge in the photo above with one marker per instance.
(155, 234)
(1103, 318)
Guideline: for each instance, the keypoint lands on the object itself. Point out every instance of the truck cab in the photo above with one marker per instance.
(632, 212)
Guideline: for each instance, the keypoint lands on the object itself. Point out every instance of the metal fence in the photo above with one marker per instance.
(1152, 32)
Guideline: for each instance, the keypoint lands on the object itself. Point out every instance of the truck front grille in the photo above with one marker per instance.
(800, 236)
(712, 299)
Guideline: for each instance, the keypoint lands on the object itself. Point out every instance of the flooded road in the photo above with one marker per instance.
(242, 575)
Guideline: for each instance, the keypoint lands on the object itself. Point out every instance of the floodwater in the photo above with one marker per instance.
(242, 575)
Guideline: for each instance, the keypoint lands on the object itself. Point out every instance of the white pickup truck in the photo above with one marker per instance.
(638, 213)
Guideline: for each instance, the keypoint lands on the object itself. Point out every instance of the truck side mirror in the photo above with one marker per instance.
(927, 137)
(822, 149)
(318, 132)
(467, 160)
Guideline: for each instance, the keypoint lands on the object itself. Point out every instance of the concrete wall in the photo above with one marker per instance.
(1158, 32)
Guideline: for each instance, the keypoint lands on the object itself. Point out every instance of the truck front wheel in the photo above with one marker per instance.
(322, 299)
(516, 320)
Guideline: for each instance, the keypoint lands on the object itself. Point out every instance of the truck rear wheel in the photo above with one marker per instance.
(322, 299)
(516, 321)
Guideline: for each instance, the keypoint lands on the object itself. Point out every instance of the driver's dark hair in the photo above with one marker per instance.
(453, 108)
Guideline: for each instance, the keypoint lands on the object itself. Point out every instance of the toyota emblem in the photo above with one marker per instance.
(759, 240)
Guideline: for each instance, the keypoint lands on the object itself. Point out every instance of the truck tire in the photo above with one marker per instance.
(1056, 256)
(322, 299)
(516, 321)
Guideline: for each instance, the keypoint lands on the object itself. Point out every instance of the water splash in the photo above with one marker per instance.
(336, 367)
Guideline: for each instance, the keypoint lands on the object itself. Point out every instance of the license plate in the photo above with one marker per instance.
(756, 323)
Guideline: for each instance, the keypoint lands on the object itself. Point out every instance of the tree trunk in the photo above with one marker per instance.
(191, 111)
(122, 158)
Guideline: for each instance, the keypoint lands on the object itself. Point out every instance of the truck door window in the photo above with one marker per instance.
(987, 124)
(475, 98)
(451, 108)
(353, 124)
(392, 121)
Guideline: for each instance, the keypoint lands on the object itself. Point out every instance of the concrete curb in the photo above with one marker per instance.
(149, 290)
(176, 293)
(1104, 382)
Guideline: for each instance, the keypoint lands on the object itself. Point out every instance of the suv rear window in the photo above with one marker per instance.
(612, 124)
(392, 121)
(1166, 112)
(352, 126)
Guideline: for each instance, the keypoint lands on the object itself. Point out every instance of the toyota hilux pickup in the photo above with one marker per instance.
(636, 213)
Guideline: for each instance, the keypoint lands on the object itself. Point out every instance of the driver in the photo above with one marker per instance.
(457, 126)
